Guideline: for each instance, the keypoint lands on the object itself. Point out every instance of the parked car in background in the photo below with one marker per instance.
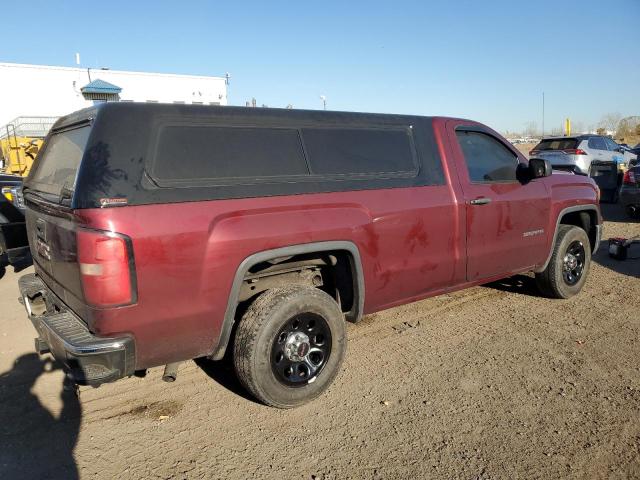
(635, 151)
(577, 152)
(630, 191)
(13, 234)
(260, 232)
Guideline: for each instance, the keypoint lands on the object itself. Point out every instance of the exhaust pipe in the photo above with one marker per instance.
(171, 372)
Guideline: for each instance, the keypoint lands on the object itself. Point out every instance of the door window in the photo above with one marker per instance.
(488, 160)
(613, 146)
(597, 143)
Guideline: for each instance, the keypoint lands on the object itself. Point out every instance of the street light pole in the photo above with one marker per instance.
(543, 114)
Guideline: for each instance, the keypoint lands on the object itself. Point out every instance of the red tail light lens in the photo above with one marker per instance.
(575, 151)
(105, 268)
(629, 178)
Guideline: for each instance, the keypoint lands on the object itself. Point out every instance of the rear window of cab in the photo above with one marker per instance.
(558, 144)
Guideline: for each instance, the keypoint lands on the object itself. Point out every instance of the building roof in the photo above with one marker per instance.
(100, 86)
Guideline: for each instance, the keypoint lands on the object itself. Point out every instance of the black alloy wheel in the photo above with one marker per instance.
(573, 263)
(301, 349)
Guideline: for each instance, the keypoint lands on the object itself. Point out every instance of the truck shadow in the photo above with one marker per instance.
(223, 373)
(521, 284)
(36, 444)
(629, 267)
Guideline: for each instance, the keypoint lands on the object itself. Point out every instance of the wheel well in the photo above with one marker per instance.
(330, 271)
(585, 219)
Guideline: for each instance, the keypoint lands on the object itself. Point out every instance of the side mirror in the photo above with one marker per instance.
(539, 168)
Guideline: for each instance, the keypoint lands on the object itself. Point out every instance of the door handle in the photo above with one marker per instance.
(480, 201)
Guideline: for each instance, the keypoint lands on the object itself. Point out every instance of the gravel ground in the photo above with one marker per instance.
(491, 382)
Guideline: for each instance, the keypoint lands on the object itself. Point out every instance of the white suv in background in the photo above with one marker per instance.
(576, 153)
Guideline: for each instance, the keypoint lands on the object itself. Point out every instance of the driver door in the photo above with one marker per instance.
(506, 218)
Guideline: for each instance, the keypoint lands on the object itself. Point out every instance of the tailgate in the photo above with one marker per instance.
(52, 239)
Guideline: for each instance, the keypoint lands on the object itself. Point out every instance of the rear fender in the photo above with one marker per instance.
(264, 256)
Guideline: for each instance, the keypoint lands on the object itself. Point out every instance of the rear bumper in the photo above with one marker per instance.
(89, 359)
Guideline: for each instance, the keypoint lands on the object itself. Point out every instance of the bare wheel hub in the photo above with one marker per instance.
(297, 346)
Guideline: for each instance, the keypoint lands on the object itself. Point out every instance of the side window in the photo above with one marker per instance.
(359, 151)
(488, 160)
(613, 146)
(212, 152)
(597, 143)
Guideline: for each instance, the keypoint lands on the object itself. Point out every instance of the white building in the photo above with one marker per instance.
(47, 91)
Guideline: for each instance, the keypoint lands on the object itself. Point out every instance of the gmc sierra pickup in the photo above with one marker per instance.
(162, 233)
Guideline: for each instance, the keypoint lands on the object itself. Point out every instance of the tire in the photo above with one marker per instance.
(271, 357)
(564, 278)
(632, 211)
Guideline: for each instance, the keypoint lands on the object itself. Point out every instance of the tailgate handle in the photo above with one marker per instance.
(480, 201)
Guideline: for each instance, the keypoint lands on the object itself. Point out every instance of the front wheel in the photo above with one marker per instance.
(567, 270)
(289, 345)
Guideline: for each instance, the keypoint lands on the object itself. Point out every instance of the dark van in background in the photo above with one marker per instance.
(14, 248)
(162, 233)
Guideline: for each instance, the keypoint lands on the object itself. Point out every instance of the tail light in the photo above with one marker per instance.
(629, 178)
(106, 268)
(575, 151)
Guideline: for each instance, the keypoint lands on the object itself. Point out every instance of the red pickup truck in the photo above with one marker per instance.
(162, 233)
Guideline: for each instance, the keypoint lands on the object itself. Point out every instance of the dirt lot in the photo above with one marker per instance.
(492, 382)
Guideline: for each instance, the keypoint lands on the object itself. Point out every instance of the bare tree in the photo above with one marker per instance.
(627, 127)
(610, 121)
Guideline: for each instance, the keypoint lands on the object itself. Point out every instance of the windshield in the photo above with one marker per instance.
(557, 144)
(56, 169)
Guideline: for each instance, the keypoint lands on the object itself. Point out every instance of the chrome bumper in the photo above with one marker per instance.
(89, 359)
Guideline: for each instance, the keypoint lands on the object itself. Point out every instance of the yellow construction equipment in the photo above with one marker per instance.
(18, 154)
(20, 141)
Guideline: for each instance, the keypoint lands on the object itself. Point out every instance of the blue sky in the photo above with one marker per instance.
(485, 60)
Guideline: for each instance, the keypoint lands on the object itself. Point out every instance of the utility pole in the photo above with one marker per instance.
(543, 114)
